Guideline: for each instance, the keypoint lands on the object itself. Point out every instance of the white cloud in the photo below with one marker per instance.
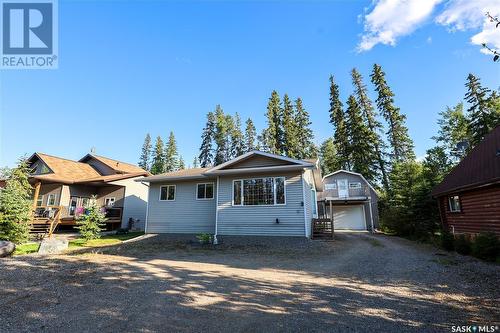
(466, 14)
(391, 19)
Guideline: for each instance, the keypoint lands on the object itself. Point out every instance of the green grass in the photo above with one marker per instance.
(26, 248)
(107, 240)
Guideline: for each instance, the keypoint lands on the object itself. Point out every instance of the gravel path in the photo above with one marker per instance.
(359, 283)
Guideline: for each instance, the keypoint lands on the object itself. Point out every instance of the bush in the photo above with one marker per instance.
(204, 238)
(91, 223)
(463, 245)
(447, 241)
(486, 246)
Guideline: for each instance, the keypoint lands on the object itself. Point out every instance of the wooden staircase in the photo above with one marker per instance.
(44, 226)
(322, 228)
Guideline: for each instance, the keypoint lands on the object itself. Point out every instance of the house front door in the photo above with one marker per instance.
(343, 188)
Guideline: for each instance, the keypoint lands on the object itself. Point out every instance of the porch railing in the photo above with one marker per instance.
(359, 192)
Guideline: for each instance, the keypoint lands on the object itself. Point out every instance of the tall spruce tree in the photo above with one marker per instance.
(237, 138)
(401, 144)
(250, 135)
(373, 124)
(145, 159)
(361, 151)
(272, 136)
(481, 115)
(304, 134)
(195, 162)
(337, 119)
(171, 161)
(206, 151)
(328, 157)
(158, 163)
(290, 131)
(222, 149)
(182, 164)
(453, 130)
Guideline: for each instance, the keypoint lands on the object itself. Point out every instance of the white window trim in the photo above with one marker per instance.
(175, 192)
(315, 203)
(41, 200)
(202, 199)
(114, 200)
(357, 185)
(48, 199)
(459, 204)
(242, 194)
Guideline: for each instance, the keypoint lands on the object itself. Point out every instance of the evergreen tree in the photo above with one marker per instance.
(400, 142)
(222, 151)
(158, 163)
(182, 165)
(171, 162)
(453, 129)
(206, 151)
(481, 115)
(145, 159)
(195, 162)
(362, 154)
(328, 157)
(237, 139)
(373, 124)
(272, 136)
(304, 133)
(250, 135)
(290, 131)
(337, 119)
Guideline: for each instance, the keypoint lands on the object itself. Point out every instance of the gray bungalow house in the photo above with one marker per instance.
(352, 200)
(257, 194)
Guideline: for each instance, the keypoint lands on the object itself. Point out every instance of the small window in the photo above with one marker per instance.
(39, 201)
(109, 202)
(356, 185)
(167, 193)
(454, 202)
(332, 186)
(51, 200)
(205, 191)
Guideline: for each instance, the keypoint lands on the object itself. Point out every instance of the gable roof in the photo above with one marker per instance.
(70, 172)
(352, 173)
(479, 168)
(118, 166)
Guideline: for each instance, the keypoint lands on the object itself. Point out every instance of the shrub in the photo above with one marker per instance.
(91, 223)
(204, 238)
(486, 246)
(447, 240)
(462, 245)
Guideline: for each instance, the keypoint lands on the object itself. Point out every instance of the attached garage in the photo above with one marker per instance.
(349, 217)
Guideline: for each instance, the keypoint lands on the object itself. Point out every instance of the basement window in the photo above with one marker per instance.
(454, 203)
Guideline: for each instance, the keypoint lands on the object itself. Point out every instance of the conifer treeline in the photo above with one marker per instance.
(162, 157)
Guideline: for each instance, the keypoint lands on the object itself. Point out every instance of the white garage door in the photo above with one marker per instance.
(349, 217)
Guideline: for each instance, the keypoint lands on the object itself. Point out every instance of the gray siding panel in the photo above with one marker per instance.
(184, 215)
(261, 220)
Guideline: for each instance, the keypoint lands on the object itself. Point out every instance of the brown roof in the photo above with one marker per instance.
(480, 167)
(118, 166)
(179, 174)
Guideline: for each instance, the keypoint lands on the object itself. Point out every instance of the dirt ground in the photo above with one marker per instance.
(358, 283)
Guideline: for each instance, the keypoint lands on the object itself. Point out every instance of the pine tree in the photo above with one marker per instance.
(304, 133)
(222, 151)
(170, 159)
(195, 162)
(482, 117)
(181, 165)
(290, 143)
(362, 155)
(145, 159)
(157, 164)
(237, 139)
(272, 136)
(250, 135)
(453, 129)
(337, 119)
(373, 124)
(206, 152)
(328, 157)
(401, 144)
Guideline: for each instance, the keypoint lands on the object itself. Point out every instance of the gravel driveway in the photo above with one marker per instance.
(359, 283)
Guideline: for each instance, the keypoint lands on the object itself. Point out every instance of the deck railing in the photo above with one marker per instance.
(360, 192)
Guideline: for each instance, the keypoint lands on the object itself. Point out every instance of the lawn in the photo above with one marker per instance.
(106, 240)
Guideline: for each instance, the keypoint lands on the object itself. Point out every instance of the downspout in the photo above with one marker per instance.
(371, 213)
(216, 241)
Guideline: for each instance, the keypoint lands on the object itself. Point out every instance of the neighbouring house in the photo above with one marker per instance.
(257, 194)
(351, 199)
(469, 196)
(63, 187)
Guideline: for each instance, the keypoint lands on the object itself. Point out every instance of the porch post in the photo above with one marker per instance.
(331, 216)
(37, 192)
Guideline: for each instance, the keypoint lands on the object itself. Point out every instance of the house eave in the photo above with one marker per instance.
(257, 170)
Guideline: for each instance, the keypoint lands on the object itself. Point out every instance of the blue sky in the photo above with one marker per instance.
(129, 68)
